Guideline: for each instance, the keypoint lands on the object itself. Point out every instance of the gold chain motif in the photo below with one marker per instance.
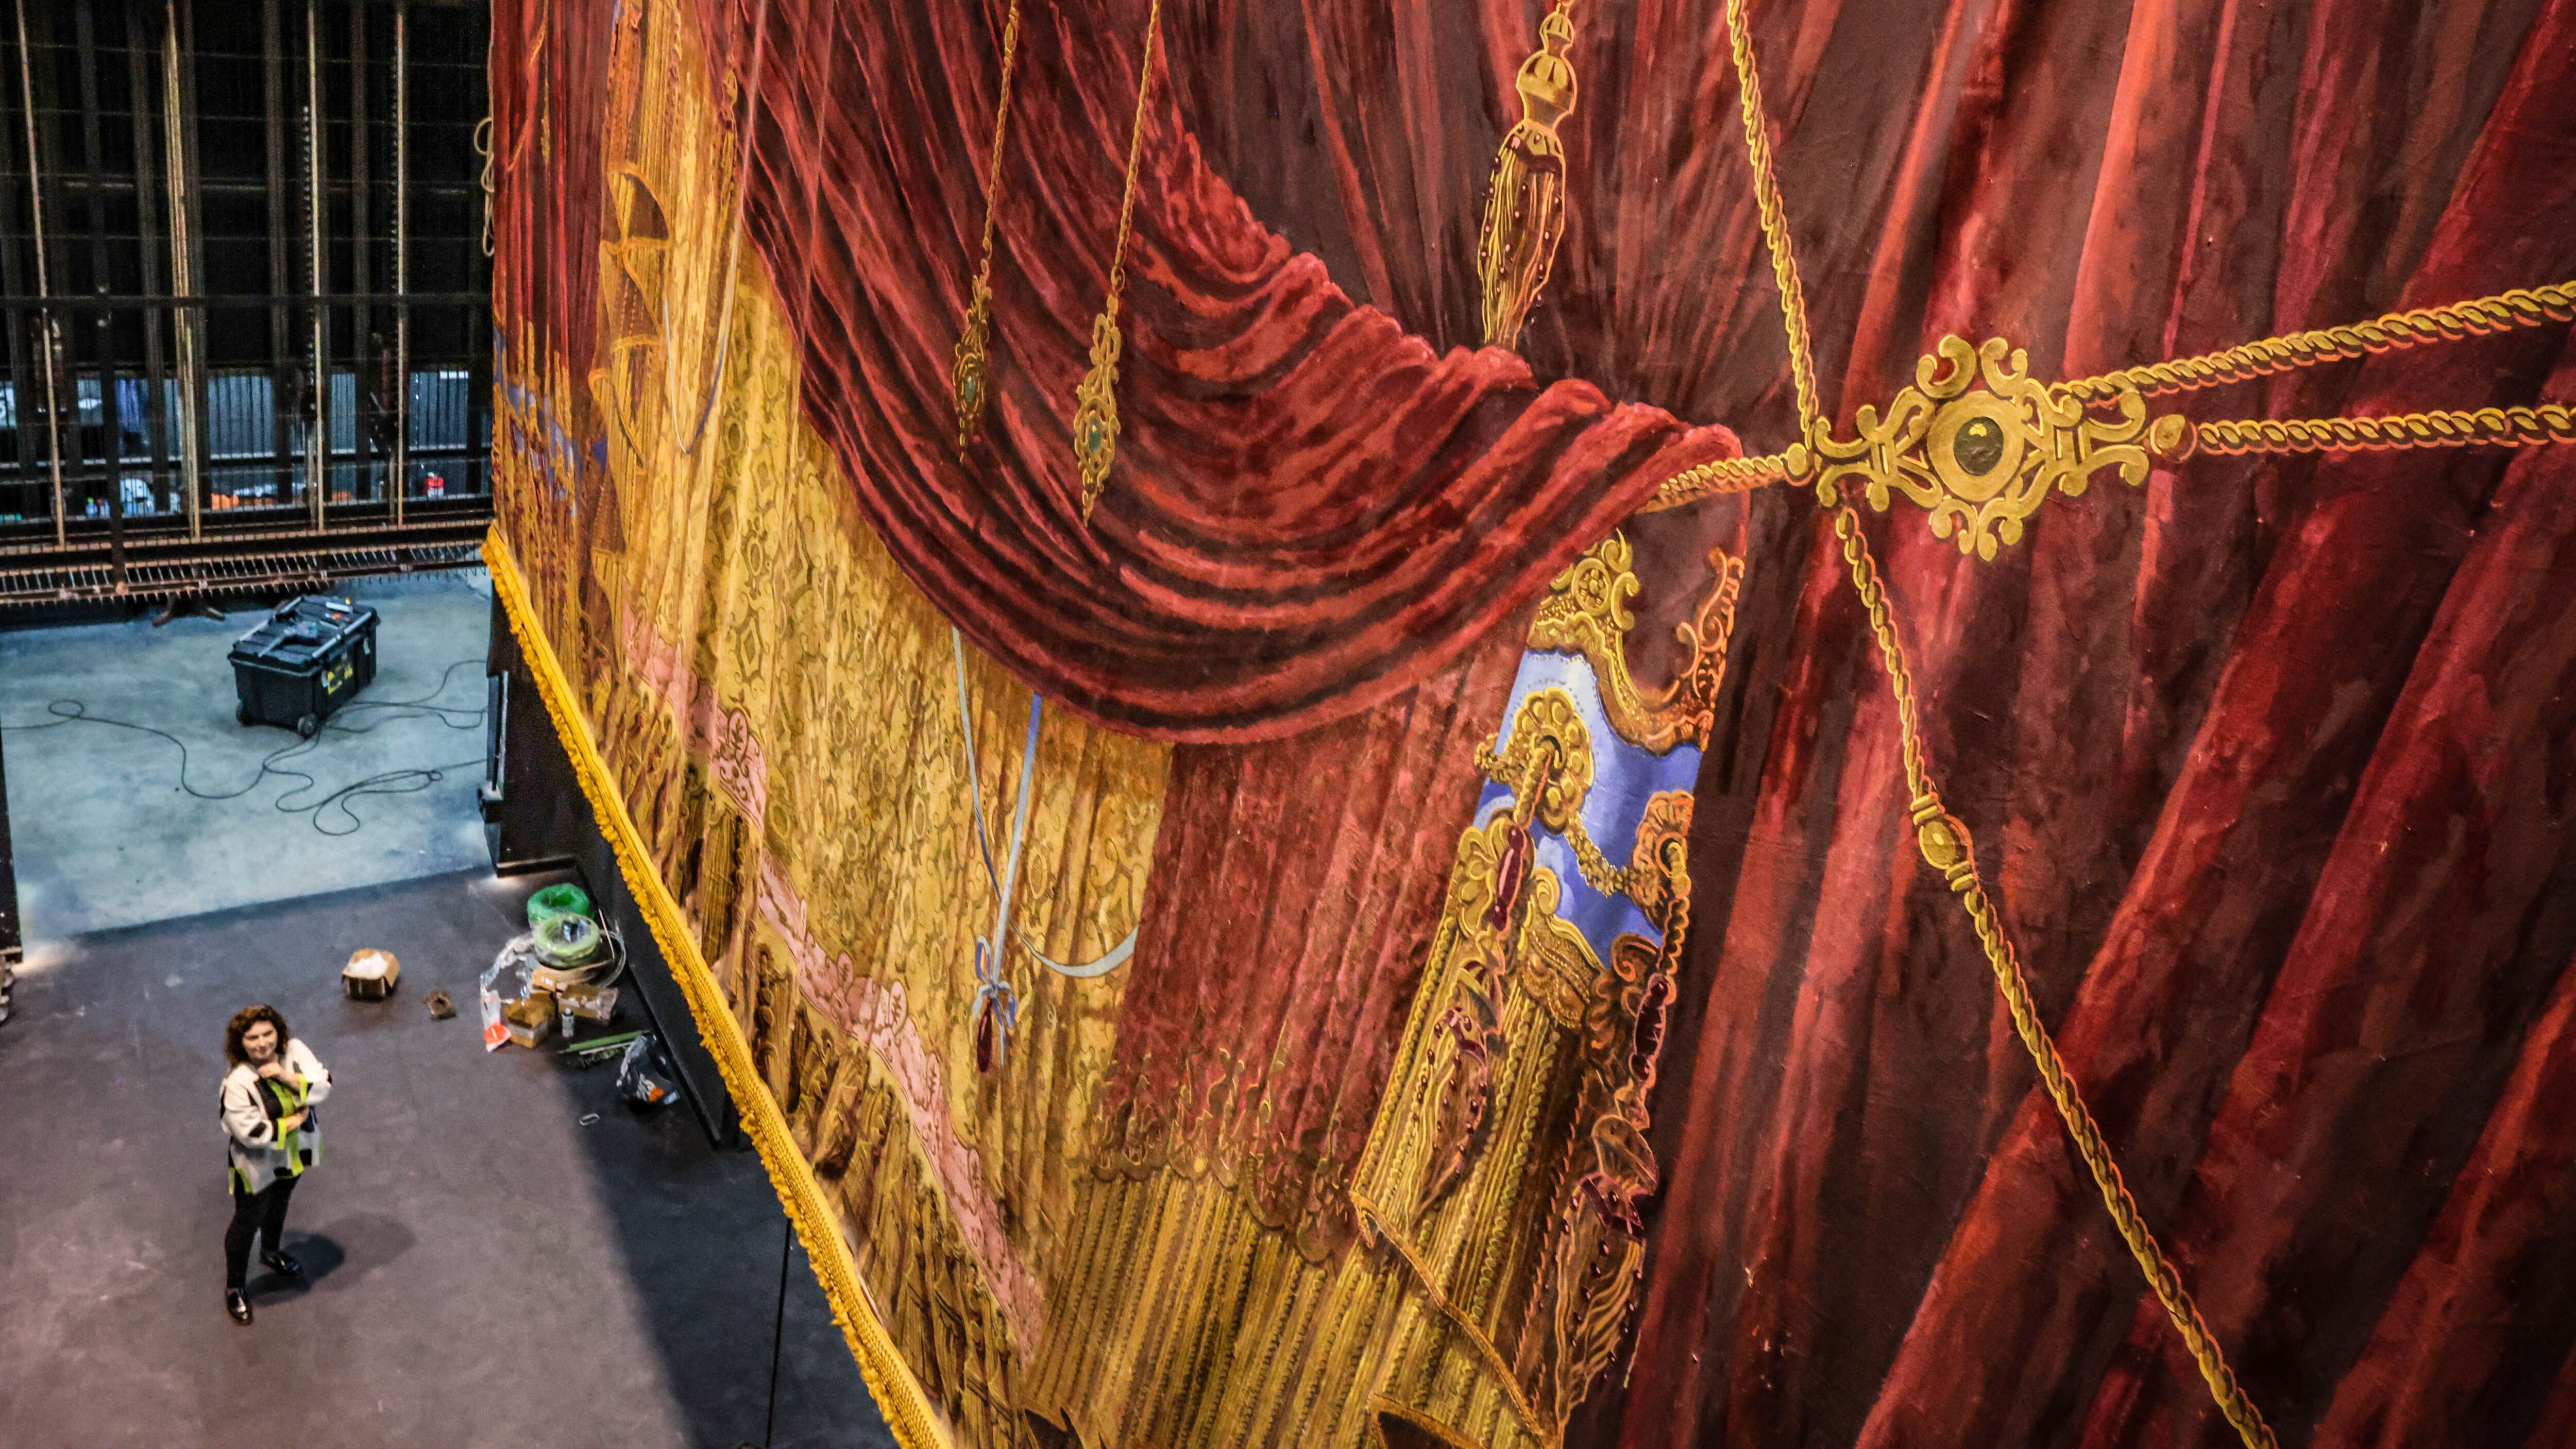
(1557, 810)
(968, 375)
(1944, 841)
(2519, 307)
(1095, 414)
(1598, 872)
(1585, 613)
(2487, 427)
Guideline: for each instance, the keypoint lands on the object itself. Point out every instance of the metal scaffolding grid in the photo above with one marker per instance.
(243, 296)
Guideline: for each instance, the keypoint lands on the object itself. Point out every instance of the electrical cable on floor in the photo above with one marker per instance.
(390, 782)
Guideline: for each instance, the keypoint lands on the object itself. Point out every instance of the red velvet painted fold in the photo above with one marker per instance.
(1311, 511)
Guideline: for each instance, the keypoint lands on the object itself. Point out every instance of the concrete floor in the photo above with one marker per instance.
(104, 835)
(485, 1269)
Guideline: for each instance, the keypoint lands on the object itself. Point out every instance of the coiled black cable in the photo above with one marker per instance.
(390, 782)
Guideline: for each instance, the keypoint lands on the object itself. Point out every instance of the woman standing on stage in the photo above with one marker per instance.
(268, 1100)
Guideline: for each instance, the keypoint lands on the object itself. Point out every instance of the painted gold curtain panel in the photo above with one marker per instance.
(827, 780)
(1340, 930)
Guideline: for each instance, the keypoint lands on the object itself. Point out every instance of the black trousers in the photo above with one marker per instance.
(255, 1213)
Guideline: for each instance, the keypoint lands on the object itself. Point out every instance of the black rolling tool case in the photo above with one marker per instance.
(312, 656)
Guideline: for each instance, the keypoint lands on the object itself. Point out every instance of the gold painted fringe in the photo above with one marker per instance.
(899, 1396)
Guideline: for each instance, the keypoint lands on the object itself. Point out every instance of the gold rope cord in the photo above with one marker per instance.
(968, 378)
(2488, 427)
(1743, 475)
(1948, 848)
(1775, 230)
(1726, 475)
(907, 1408)
(2519, 307)
(1095, 415)
(1945, 842)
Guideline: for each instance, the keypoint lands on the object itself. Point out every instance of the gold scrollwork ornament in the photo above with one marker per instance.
(1586, 613)
(1981, 446)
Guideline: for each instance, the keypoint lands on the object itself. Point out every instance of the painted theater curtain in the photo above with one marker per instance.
(1368, 939)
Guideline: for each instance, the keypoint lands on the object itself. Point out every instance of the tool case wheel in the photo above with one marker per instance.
(308, 727)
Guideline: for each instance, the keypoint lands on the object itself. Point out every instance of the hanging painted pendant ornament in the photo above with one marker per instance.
(1525, 206)
(1095, 412)
(969, 378)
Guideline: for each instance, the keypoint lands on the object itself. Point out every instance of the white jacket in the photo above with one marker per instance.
(259, 1154)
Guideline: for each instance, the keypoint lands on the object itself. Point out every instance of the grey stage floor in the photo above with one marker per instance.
(106, 838)
(485, 1269)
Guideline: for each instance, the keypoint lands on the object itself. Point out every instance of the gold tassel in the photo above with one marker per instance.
(1525, 206)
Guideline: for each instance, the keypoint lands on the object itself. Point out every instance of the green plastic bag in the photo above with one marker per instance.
(566, 899)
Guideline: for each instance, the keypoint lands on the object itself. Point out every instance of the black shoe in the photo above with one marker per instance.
(236, 1305)
(283, 1263)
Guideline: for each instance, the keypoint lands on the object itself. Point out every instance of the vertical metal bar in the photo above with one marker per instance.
(482, 339)
(147, 228)
(15, 337)
(49, 343)
(362, 243)
(319, 448)
(282, 371)
(180, 186)
(400, 482)
(103, 331)
(13, 951)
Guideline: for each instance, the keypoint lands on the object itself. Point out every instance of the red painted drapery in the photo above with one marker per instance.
(1311, 510)
(2270, 761)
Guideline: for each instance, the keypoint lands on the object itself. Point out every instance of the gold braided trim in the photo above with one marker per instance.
(2486, 427)
(900, 1397)
(1742, 475)
(2519, 307)
(1709, 480)
(1947, 847)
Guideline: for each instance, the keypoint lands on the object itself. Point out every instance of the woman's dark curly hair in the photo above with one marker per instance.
(246, 1018)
